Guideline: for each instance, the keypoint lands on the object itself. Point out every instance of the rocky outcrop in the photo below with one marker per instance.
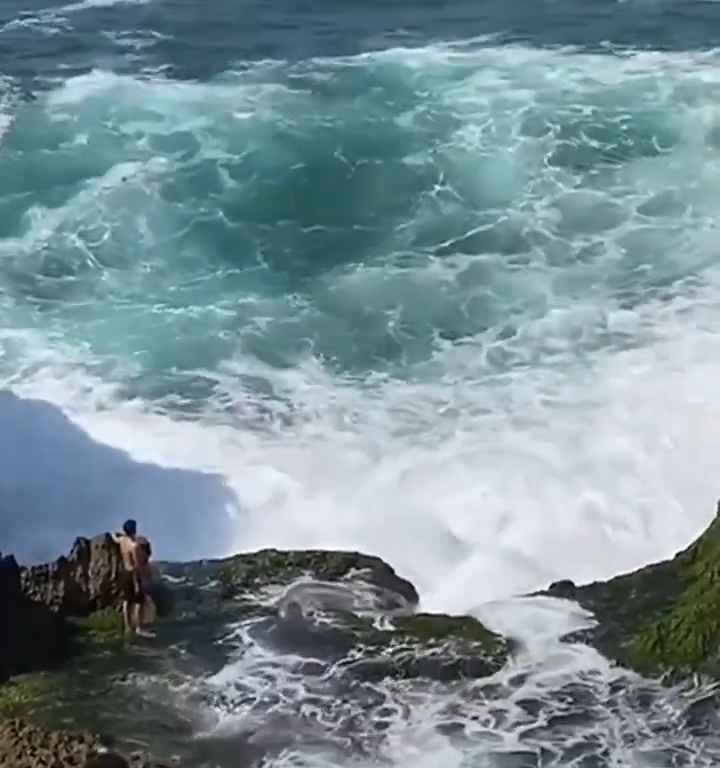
(85, 581)
(345, 619)
(31, 635)
(35, 602)
(43, 606)
(248, 573)
(23, 745)
(662, 618)
(346, 610)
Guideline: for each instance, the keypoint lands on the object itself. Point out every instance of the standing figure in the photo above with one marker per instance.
(135, 554)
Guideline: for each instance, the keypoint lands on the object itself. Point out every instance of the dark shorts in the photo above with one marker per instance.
(131, 592)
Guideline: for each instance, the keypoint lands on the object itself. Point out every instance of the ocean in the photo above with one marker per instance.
(435, 281)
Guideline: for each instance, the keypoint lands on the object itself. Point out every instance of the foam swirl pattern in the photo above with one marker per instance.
(342, 283)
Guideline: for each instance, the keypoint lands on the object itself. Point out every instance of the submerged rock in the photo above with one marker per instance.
(661, 618)
(345, 609)
(430, 646)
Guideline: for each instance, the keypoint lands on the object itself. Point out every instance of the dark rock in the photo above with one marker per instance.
(344, 618)
(256, 570)
(565, 589)
(429, 646)
(440, 647)
(107, 760)
(31, 635)
(664, 618)
(327, 609)
(86, 580)
(35, 603)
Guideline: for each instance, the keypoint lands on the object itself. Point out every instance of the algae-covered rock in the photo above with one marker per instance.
(431, 646)
(342, 608)
(101, 628)
(20, 696)
(341, 620)
(662, 618)
(248, 573)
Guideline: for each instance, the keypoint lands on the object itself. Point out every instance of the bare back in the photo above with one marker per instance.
(127, 552)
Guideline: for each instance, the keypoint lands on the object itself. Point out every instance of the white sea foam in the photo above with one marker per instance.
(588, 450)
(7, 106)
(85, 5)
(478, 487)
(55, 21)
(504, 493)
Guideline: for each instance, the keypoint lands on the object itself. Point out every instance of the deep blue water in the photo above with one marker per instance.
(39, 38)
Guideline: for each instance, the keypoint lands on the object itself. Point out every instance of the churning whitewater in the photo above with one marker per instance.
(452, 303)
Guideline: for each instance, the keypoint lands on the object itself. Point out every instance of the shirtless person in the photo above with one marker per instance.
(130, 583)
(144, 611)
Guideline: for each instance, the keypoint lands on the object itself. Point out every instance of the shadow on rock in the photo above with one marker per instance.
(32, 636)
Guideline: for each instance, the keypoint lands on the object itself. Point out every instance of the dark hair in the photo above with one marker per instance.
(144, 544)
(130, 527)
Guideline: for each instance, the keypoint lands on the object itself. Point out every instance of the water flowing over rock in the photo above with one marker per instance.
(346, 609)
(346, 620)
(663, 618)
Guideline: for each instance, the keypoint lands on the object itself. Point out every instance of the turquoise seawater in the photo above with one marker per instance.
(436, 281)
(352, 271)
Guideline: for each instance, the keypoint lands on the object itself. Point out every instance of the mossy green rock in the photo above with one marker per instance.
(272, 567)
(431, 646)
(346, 608)
(248, 573)
(100, 628)
(339, 619)
(664, 618)
(22, 695)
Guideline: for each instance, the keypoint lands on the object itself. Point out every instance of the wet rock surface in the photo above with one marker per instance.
(249, 573)
(346, 620)
(326, 651)
(664, 618)
(345, 609)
